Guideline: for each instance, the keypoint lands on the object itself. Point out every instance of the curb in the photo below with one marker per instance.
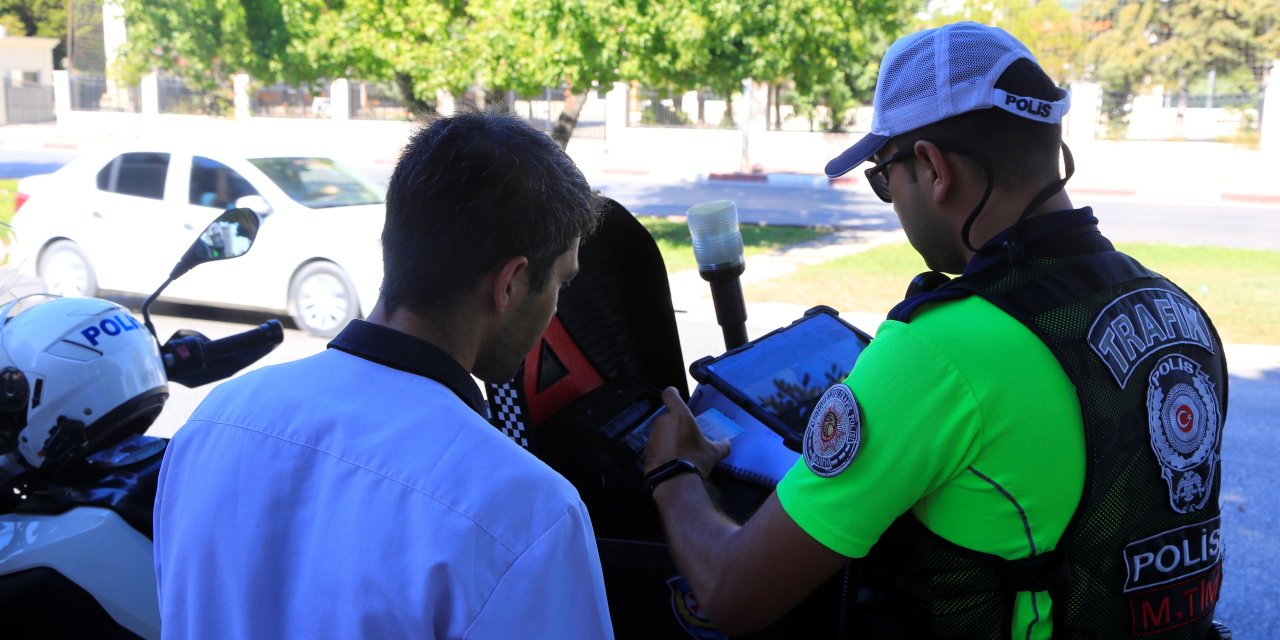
(786, 179)
(1253, 198)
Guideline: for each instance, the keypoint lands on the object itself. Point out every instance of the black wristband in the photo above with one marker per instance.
(669, 470)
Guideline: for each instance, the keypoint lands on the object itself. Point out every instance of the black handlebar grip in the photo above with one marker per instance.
(266, 335)
(193, 360)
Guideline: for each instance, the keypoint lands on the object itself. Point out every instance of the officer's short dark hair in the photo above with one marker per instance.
(471, 190)
(1023, 152)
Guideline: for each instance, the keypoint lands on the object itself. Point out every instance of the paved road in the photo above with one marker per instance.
(1203, 223)
(1206, 223)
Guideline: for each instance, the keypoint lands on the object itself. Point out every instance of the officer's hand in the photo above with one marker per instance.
(675, 434)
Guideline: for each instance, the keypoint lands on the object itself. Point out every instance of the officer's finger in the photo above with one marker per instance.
(721, 448)
(675, 404)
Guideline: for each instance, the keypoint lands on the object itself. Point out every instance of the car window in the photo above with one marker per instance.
(135, 174)
(214, 184)
(318, 183)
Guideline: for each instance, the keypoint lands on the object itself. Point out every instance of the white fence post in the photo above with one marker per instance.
(61, 94)
(1270, 134)
(1082, 119)
(240, 97)
(151, 94)
(615, 113)
(340, 99)
(444, 103)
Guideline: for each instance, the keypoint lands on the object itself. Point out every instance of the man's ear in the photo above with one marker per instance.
(938, 169)
(509, 282)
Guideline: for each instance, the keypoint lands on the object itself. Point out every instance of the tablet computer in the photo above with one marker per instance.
(779, 377)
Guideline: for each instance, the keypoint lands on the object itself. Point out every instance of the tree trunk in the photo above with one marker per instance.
(568, 119)
(777, 107)
(702, 109)
(418, 107)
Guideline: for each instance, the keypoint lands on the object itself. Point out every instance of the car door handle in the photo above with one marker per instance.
(189, 227)
(98, 214)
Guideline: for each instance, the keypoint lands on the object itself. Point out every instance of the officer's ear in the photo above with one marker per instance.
(508, 283)
(937, 170)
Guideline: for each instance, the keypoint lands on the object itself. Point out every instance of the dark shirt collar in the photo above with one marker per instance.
(398, 350)
(1029, 232)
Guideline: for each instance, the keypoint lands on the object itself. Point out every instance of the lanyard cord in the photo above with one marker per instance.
(1011, 245)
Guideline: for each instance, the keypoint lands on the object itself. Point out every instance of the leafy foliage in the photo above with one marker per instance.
(1170, 42)
(1054, 34)
(825, 48)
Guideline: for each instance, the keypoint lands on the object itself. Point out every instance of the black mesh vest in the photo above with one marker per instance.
(1142, 554)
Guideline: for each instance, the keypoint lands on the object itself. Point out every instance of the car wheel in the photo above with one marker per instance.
(322, 299)
(64, 270)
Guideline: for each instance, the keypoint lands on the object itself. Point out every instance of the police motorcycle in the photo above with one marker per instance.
(588, 392)
(81, 380)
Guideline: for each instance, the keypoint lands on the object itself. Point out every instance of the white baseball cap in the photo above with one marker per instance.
(935, 74)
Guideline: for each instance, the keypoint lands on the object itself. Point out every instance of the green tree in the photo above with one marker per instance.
(1053, 33)
(1170, 42)
(523, 46)
(205, 42)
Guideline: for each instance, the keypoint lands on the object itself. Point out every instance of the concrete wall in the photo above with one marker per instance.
(31, 55)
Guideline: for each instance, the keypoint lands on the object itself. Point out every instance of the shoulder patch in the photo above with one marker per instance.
(1139, 323)
(834, 433)
(1184, 418)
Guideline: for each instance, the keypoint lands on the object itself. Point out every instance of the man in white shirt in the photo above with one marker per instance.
(360, 492)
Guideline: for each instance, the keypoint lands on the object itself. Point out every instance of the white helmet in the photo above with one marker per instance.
(76, 375)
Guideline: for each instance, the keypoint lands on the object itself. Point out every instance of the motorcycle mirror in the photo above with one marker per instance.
(229, 236)
(257, 203)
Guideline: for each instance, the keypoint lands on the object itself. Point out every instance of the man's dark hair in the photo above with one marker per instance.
(1022, 151)
(470, 191)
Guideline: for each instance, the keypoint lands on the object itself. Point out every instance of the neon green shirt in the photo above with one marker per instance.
(969, 422)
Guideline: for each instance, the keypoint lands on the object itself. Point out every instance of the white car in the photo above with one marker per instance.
(117, 221)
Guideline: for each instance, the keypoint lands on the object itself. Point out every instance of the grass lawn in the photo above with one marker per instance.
(1233, 285)
(8, 190)
(673, 240)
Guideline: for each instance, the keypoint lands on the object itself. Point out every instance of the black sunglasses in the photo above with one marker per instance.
(879, 179)
(878, 176)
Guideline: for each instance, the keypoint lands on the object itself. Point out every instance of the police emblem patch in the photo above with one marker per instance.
(1183, 418)
(689, 613)
(834, 433)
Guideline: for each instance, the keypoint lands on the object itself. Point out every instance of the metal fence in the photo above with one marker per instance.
(27, 103)
(174, 96)
(1220, 101)
(542, 112)
(647, 107)
(375, 101)
(289, 101)
(93, 92)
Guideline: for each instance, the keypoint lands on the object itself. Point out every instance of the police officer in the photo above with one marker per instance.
(1030, 448)
(361, 492)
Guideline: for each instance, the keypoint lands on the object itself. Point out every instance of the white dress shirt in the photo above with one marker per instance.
(359, 493)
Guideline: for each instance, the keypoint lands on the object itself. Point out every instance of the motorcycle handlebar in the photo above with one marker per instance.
(191, 359)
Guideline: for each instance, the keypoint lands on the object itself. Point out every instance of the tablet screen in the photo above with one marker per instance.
(784, 373)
